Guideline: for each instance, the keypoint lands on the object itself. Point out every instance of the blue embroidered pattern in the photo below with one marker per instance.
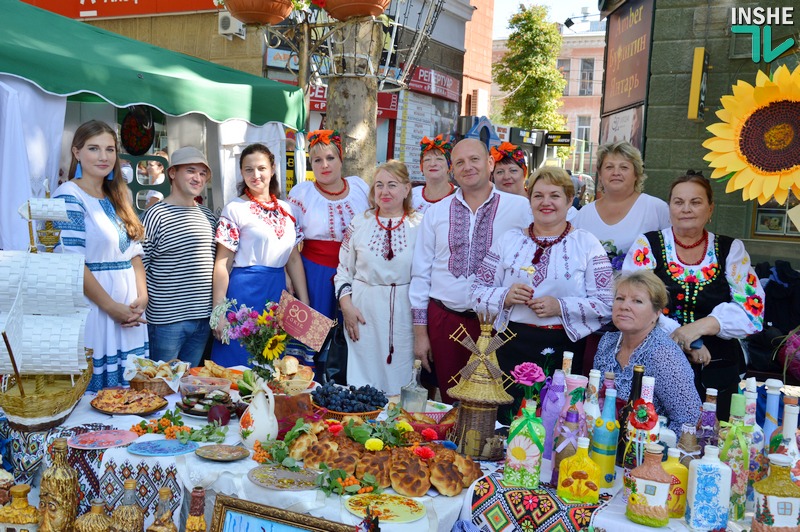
(707, 513)
(108, 208)
(74, 242)
(106, 266)
(76, 217)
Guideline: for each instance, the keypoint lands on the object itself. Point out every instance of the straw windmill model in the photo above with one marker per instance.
(481, 388)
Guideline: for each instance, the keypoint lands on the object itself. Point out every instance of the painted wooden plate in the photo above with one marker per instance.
(222, 453)
(389, 507)
(102, 439)
(162, 448)
(279, 478)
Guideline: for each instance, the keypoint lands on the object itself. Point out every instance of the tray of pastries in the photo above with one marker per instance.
(127, 401)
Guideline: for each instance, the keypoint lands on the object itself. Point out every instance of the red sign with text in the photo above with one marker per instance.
(387, 102)
(121, 8)
(435, 83)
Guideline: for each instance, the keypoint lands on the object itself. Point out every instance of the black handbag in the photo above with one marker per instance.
(336, 365)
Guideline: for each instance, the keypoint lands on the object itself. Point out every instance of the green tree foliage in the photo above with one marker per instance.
(528, 71)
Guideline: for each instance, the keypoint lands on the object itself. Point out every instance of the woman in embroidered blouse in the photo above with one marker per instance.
(372, 283)
(256, 239)
(714, 292)
(510, 170)
(549, 284)
(434, 161)
(104, 227)
(639, 298)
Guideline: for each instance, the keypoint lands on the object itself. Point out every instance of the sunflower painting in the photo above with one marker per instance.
(756, 146)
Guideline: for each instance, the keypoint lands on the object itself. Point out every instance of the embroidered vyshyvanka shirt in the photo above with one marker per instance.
(576, 272)
(453, 242)
(319, 218)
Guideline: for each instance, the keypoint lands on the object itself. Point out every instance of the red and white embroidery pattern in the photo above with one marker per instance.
(274, 219)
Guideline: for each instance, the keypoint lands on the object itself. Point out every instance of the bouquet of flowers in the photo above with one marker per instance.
(259, 333)
(530, 377)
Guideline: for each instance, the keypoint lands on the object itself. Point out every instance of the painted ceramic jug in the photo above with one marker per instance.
(258, 423)
(709, 495)
(676, 501)
(524, 453)
(777, 498)
(578, 476)
(647, 503)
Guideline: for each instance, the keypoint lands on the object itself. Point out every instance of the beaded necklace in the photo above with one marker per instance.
(543, 245)
(328, 192)
(452, 188)
(275, 206)
(703, 240)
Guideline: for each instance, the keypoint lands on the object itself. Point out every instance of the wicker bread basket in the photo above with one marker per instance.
(441, 429)
(157, 385)
(291, 386)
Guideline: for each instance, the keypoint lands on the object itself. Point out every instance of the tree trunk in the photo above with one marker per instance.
(353, 96)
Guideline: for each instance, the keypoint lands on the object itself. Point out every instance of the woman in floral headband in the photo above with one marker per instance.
(323, 209)
(510, 170)
(434, 161)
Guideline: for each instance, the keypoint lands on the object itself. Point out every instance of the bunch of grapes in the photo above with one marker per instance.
(350, 400)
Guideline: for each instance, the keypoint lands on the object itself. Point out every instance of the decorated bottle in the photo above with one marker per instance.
(128, 515)
(576, 389)
(95, 520)
(578, 476)
(523, 463)
(776, 438)
(196, 521)
(591, 406)
(642, 429)
(566, 442)
(647, 503)
(566, 362)
(709, 495)
(608, 383)
(676, 501)
(625, 412)
(707, 426)
(666, 436)
(734, 438)
(788, 445)
(58, 492)
(20, 511)
(163, 521)
(758, 461)
(773, 495)
(604, 440)
(773, 406)
(687, 444)
(414, 396)
(552, 402)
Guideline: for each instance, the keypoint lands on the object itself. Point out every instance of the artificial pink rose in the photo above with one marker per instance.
(527, 374)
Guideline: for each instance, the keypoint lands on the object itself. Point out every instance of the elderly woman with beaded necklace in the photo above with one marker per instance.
(714, 292)
(549, 284)
(434, 161)
(510, 170)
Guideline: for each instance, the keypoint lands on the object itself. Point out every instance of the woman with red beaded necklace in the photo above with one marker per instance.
(372, 283)
(256, 246)
(549, 284)
(714, 292)
(434, 161)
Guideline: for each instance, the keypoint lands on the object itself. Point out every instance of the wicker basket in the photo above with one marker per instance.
(333, 414)
(291, 386)
(441, 429)
(157, 385)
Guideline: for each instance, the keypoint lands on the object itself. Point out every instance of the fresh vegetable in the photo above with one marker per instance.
(212, 432)
(247, 384)
(219, 414)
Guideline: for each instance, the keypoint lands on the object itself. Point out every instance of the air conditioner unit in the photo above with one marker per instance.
(228, 26)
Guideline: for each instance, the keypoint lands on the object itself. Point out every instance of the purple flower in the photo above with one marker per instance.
(617, 261)
(231, 317)
(242, 313)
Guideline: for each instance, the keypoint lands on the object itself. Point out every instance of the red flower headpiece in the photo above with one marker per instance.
(511, 152)
(326, 136)
(643, 416)
(438, 143)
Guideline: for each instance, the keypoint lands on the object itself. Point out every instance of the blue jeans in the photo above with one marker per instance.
(185, 340)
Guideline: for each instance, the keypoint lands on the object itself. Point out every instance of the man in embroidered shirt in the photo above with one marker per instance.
(179, 262)
(456, 233)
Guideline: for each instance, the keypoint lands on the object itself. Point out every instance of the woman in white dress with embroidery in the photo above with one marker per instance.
(434, 161)
(104, 227)
(372, 283)
(256, 239)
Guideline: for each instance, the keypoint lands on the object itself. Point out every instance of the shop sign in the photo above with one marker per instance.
(504, 132)
(558, 138)
(435, 83)
(628, 55)
(122, 8)
(387, 102)
(533, 137)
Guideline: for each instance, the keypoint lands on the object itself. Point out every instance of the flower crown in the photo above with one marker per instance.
(439, 143)
(508, 150)
(326, 136)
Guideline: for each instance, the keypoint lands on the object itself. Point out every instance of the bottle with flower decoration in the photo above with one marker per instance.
(774, 495)
(523, 463)
(591, 406)
(579, 477)
(604, 440)
(576, 390)
(552, 401)
(776, 438)
(566, 442)
(707, 426)
(758, 461)
(676, 501)
(788, 445)
(773, 406)
(647, 502)
(734, 438)
(608, 383)
(642, 429)
(625, 412)
(709, 495)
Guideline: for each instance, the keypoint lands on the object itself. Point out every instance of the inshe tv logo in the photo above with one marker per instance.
(758, 22)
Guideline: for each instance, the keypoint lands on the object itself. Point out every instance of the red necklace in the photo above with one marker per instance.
(543, 245)
(390, 227)
(703, 238)
(452, 188)
(272, 199)
(328, 192)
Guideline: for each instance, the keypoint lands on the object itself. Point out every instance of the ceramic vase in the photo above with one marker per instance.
(552, 402)
(604, 440)
(758, 461)
(709, 495)
(647, 503)
(258, 423)
(676, 501)
(734, 438)
(523, 462)
(777, 498)
(591, 406)
(579, 477)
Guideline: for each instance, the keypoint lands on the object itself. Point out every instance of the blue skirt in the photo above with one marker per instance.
(322, 296)
(252, 286)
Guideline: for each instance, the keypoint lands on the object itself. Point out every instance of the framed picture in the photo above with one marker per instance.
(236, 515)
(770, 223)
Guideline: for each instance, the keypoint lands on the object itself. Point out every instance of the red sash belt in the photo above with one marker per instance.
(324, 252)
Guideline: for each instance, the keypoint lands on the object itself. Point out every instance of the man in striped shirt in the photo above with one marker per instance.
(179, 261)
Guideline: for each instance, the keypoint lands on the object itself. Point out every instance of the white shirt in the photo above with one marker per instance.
(320, 218)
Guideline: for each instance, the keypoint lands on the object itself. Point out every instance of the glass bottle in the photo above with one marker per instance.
(566, 442)
(706, 426)
(591, 406)
(709, 495)
(758, 462)
(605, 439)
(642, 430)
(163, 517)
(19, 512)
(566, 362)
(666, 435)
(687, 444)
(574, 395)
(735, 451)
(58, 492)
(608, 383)
(579, 476)
(523, 463)
(625, 412)
(128, 515)
(776, 437)
(775, 492)
(95, 520)
(647, 503)
(711, 395)
(788, 445)
(197, 511)
(414, 396)
(676, 502)
(773, 405)
(552, 403)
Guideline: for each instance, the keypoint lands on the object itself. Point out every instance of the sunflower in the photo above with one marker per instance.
(275, 346)
(757, 144)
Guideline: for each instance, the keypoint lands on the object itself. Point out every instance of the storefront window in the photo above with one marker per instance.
(772, 218)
